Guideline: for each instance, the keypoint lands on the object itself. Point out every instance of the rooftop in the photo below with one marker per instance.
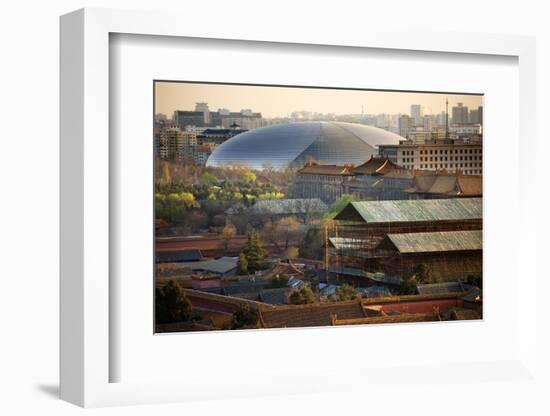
(316, 314)
(222, 265)
(316, 169)
(412, 210)
(436, 241)
(179, 256)
(287, 269)
(451, 184)
(376, 166)
(277, 296)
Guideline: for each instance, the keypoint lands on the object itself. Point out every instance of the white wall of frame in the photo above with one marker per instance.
(29, 220)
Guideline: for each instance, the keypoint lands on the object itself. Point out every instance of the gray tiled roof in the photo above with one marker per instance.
(412, 210)
(437, 241)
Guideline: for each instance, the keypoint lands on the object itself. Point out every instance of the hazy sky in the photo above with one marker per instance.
(280, 101)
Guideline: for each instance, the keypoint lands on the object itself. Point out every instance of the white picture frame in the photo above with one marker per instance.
(85, 351)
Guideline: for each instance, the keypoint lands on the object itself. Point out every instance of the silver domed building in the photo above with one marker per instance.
(291, 145)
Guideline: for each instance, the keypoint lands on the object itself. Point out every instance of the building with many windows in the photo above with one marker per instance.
(177, 145)
(416, 114)
(450, 155)
(376, 179)
(460, 114)
(406, 124)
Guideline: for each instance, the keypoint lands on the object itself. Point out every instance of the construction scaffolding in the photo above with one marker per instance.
(354, 249)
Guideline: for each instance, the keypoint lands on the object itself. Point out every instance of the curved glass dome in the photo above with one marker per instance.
(293, 144)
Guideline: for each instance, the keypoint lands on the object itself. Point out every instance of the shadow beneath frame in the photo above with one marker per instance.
(51, 390)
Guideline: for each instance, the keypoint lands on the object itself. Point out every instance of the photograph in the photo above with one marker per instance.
(281, 206)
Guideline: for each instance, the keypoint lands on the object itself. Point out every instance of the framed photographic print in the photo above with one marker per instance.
(286, 213)
(278, 216)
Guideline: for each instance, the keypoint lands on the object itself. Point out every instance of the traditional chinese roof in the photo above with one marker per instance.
(422, 210)
(399, 174)
(411, 298)
(435, 241)
(222, 265)
(316, 169)
(287, 269)
(193, 255)
(277, 296)
(244, 287)
(391, 319)
(316, 314)
(447, 184)
(376, 166)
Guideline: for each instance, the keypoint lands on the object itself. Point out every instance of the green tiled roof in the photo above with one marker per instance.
(412, 210)
(437, 241)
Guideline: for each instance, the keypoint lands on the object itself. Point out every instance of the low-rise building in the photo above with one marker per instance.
(376, 179)
(354, 241)
(379, 179)
(447, 254)
(326, 182)
(450, 155)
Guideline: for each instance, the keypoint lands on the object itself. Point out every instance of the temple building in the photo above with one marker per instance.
(456, 254)
(442, 184)
(392, 237)
(376, 179)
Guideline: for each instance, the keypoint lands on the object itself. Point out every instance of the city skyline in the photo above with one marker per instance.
(275, 102)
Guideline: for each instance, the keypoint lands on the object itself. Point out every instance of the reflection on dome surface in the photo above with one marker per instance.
(291, 145)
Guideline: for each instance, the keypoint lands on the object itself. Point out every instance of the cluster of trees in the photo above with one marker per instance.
(171, 304)
(282, 232)
(278, 281)
(302, 296)
(207, 192)
(344, 292)
(338, 205)
(244, 317)
(174, 207)
(177, 174)
(253, 255)
(311, 246)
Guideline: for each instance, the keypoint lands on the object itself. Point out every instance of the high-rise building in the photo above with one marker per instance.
(441, 119)
(405, 125)
(162, 122)
(416, 114)
(177, 145)
(460, 114)
(203, 108)
(203, 117)
(428, 122)
(185, 119)
(476, 115)
(383, 121)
